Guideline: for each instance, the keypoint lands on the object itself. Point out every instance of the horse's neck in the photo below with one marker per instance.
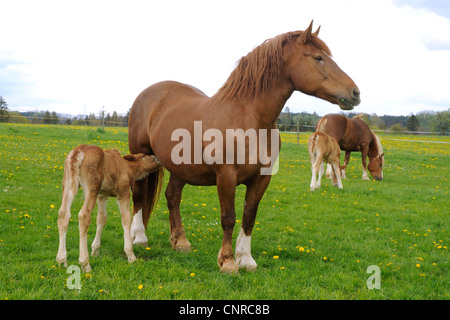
(266, 108)
(373, 149)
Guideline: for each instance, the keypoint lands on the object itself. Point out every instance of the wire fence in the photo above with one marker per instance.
(123, 122)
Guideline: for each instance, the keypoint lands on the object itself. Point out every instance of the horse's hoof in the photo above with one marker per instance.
(181, 245)
(229, 266)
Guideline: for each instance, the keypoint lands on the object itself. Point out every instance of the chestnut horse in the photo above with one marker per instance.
(251, 99)
(355, 135)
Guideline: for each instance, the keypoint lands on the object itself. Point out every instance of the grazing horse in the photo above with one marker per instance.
(249, 101)
(323, 148)
(355, 135)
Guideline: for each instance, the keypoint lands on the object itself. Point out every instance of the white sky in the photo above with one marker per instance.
(77, 56)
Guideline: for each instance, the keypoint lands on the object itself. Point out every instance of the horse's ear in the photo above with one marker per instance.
(317, 32)
(381, 155)
(130, 157)
(306, 35)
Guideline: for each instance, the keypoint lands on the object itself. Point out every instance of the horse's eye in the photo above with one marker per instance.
(318, 58)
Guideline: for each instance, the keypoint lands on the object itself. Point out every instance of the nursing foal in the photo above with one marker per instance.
(324, 148)
(101, 174)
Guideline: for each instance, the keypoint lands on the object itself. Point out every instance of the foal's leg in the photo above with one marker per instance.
(84, 220)
(226, 188)
(124, 206)
(173, 196)
(336, 174)
(102, 216)
(255, 191)
(63, 221)
(321, 171)
(315, 167)
(313, 183)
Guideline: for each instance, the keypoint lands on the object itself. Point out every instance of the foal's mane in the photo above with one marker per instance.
(255, 73)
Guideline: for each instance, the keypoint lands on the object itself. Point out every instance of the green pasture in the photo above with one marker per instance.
(308, 245)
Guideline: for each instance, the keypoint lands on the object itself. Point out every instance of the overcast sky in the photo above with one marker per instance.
(81, 56)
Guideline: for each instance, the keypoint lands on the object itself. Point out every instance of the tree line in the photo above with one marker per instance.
(425, 121)
(46, 117)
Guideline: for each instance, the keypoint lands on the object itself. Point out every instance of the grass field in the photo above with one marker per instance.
(308, 245)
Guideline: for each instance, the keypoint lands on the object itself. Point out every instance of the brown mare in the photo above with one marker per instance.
(251, 99)
(355, 135)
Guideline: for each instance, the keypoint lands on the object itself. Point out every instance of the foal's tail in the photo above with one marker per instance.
(72, 170)
(320, 127)
(146, 193)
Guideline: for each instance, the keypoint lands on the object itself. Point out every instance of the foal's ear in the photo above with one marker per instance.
(306, 35)
(381, 155)
(130, 157)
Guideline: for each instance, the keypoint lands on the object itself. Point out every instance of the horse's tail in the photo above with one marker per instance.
(320, 127)
(146, 193)
(312, 141)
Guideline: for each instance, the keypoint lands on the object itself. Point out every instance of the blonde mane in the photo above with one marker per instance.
(376, 140)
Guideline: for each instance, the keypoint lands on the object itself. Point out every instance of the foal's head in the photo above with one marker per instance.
(142, 165)
(308, 63)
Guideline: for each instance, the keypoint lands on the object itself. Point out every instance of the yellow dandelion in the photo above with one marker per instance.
(276, 257)
(52, 206)
(140, 286)
(418, 265)
(301, 249)
(192, 274)
(325, 258)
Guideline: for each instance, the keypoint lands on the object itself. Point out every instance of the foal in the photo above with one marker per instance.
(323, 148)
(101, 174)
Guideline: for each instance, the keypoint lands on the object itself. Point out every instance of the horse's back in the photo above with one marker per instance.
(335, 125)
(349, 133)
(151, 104)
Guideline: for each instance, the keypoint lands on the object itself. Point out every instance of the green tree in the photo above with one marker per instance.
(413, 123)
(4, 115)
(441, 121)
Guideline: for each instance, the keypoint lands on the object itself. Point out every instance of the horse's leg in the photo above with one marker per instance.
(226, 188)
(346, 160)
(321, 171)
(364, 154)
(329, 172)
(124, 206)
(63, 221)
(84, 220)
(173, 195)
(336, 174)
(102, 216)
(137, 226)
(312, 185)
(255, 191)
(315, 167)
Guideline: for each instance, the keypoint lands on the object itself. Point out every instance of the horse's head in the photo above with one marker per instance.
(375, 167)
(309, 65)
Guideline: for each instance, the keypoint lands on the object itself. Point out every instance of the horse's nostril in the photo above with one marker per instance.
(355, 93)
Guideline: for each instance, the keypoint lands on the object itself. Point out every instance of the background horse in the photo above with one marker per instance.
(251, 99)
(355, 135)
(323, 148)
